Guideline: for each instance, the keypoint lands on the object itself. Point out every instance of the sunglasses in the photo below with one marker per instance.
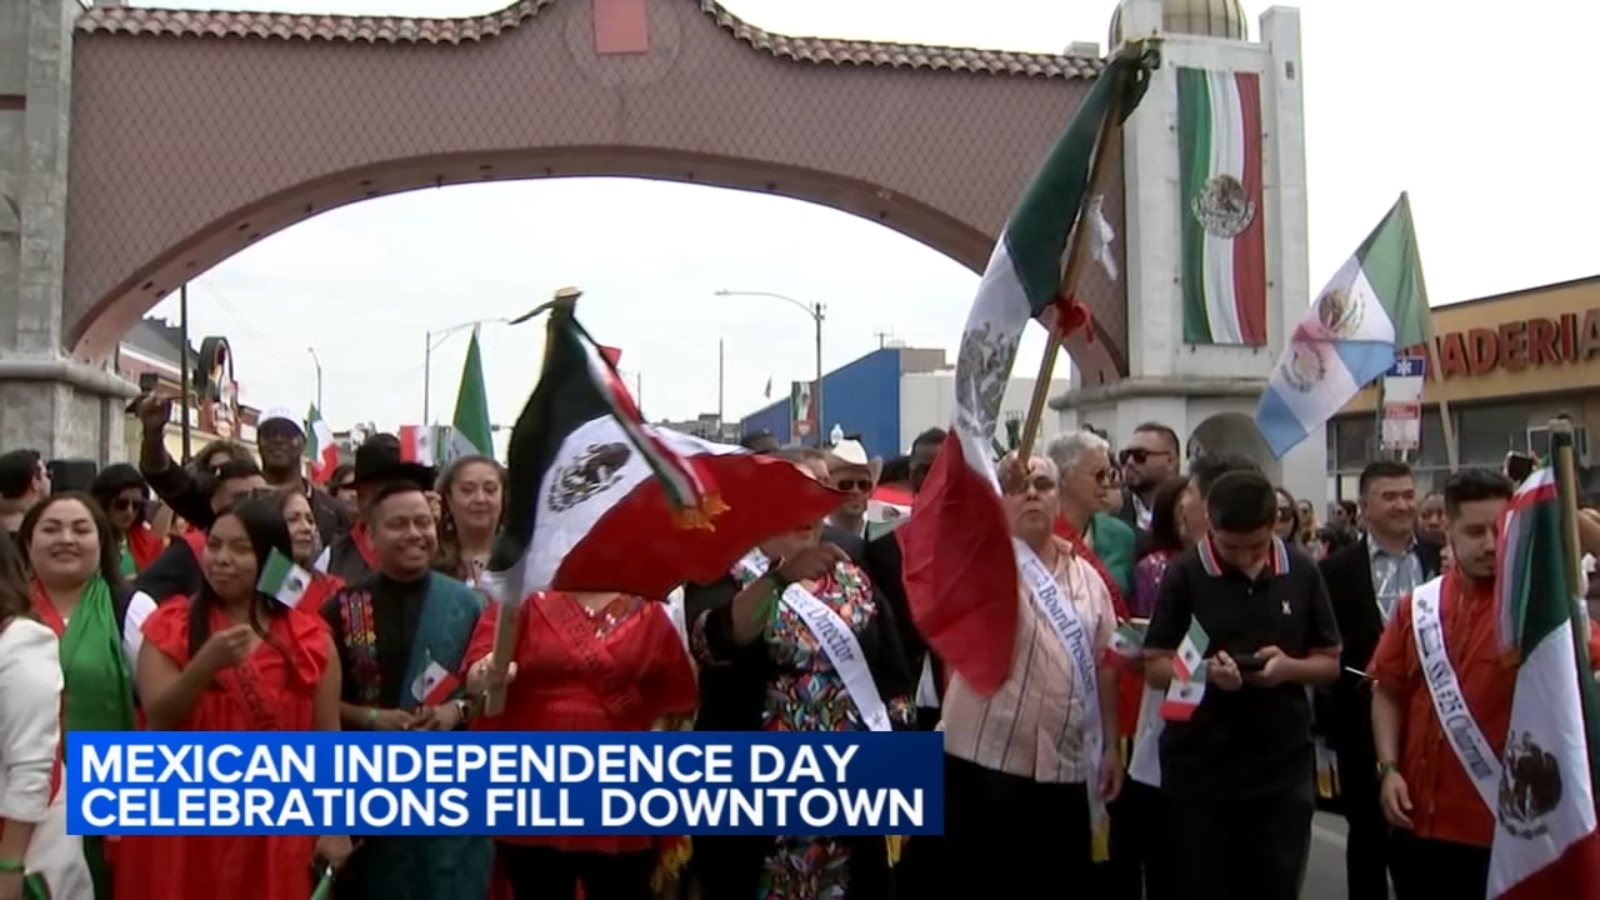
(1285, 514)
(864, 485)
(1039, 484)
(1139, 455)
(1105, 477)
(123, 503)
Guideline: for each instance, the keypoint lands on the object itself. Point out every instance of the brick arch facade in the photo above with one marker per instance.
(195, 134)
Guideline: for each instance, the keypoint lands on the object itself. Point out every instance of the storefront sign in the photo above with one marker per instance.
(1402, 405)
(1515, 346)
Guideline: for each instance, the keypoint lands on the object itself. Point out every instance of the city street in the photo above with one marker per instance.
(1325, 869)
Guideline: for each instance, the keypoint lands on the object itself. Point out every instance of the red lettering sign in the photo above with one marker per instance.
(1517, 346)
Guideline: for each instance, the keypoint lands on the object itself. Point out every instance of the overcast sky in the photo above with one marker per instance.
(1480, 116)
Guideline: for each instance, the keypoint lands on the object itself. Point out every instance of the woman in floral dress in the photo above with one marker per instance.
(763, 669)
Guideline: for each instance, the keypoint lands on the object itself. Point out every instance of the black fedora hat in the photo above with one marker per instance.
(378, 461)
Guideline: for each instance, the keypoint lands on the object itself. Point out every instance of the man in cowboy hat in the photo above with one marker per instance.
(853, 473)
(378, 462)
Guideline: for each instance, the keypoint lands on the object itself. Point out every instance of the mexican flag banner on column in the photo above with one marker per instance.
(1546, 844)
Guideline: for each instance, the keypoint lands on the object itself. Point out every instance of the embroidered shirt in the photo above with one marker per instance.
(1034, 725)
(1394, 575)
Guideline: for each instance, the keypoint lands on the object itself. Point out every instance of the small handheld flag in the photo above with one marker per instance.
(1184, 696)
(435, 685)
(282, 580)
(1191, 652)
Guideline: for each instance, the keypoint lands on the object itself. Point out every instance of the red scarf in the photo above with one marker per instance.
(144, 545)
(363, 542)
(1069, 532)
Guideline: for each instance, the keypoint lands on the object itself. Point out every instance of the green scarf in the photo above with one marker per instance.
(130, 566)
(99, 687)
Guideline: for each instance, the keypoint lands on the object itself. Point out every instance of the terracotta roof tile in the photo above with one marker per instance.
(389, 29)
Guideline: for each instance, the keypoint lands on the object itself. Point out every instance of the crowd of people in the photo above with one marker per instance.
(138, 604)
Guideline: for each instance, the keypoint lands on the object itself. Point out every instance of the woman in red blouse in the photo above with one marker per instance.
(584, 662)
(230, 658)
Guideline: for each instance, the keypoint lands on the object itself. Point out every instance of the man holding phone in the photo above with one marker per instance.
(1239, 770)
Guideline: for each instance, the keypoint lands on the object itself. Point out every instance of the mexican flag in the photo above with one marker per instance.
(282, 580)
(1546, 843)
(958, 538)
(433, 445)
(472, 403)
(1223, 233)
(321, 448)
(1377, 301)
(599, 500)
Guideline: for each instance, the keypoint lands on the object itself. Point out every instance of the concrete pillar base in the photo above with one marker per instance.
(63, 408)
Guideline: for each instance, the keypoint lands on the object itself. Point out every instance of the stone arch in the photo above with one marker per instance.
(1233, 432)
(283, 117)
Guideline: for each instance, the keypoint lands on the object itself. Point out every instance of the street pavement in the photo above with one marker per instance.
(1325, 868)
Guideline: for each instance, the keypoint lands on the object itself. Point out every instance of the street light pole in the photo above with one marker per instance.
(816, 312)
(443, 333)
(316, 361)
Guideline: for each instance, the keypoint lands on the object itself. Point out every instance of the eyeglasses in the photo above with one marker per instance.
(864, 485)
(1105, 476)
(1139, 455)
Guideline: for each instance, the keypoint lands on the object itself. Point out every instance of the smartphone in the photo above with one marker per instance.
(1249, 662)
(1518, 467)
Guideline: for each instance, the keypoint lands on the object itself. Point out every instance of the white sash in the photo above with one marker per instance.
(1079, 643)
(1145, 765)
(837, 640)
(1472, 749)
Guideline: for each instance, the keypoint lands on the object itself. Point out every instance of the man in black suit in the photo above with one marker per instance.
(1366, 579)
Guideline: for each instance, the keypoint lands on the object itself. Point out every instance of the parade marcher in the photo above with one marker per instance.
(184, 488)
(1084, 461)
(231, 658)
(23, 482)
(282, 441)
(33, 814)
(585, 662)
(1430, 515)
(1443, 817)
(1152, 456)
(77, 591)
(351, 556)
(1366, 581)
(472, 494)
(176, 572)
(1028, 769)
(391, 628)
(1238, 773)
(342, 488)
(123, 494)
(757, 635)
(854, 475)
(307, 543)
(1141, 842)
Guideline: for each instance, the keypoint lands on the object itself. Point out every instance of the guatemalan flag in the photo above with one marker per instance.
(598, 500)
(1546, 841)
(957, 550)
(1376, 302)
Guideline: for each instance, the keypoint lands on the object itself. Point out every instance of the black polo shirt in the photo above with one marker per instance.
(1253, 740)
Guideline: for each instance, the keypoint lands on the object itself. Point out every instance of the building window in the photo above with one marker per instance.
(1355, 442)
(1488, 433)
(1539, 442)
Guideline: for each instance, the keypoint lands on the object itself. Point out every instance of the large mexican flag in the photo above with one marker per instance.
(1546, 844)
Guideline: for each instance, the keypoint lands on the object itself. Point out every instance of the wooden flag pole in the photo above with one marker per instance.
(1566, 468)
(561, 309)
(1074, 263)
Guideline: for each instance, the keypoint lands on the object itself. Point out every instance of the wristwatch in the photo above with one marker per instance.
(462, 710)
(1385, 769)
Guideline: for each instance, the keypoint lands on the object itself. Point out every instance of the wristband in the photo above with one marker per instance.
(1385, 769)
(372, 716)
(12, 865)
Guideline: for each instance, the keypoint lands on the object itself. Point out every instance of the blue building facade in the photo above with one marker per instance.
(862, 397)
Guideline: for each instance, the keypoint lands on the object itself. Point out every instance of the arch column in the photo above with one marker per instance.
(48, 402)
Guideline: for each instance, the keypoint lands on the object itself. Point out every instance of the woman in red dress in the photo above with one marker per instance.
(230, 658)
(584, 662)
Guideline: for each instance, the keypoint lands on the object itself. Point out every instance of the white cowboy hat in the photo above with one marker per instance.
(850, 453)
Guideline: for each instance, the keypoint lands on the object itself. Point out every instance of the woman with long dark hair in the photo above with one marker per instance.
(122, 493)
(472, 502)
(77, 592)
(34, 843)
(306, 540)
(232, 658)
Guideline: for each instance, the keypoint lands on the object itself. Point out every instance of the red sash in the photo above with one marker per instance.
(363, 542)
(52, 620)
(565, 615)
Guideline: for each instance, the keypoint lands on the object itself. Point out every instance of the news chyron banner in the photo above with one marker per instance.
(493, 783)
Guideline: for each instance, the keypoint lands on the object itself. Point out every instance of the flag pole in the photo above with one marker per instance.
(1430, 347)
(561, 309)
(1566, 469)
(1074, 264)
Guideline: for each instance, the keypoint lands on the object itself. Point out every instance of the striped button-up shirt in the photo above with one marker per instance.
(1034, 725)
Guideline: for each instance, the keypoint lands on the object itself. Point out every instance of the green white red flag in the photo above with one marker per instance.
(960, 565)
(321, 448)
(472, 403)
(1546, 842)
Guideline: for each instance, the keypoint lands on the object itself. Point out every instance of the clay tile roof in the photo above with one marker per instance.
(388, 29)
